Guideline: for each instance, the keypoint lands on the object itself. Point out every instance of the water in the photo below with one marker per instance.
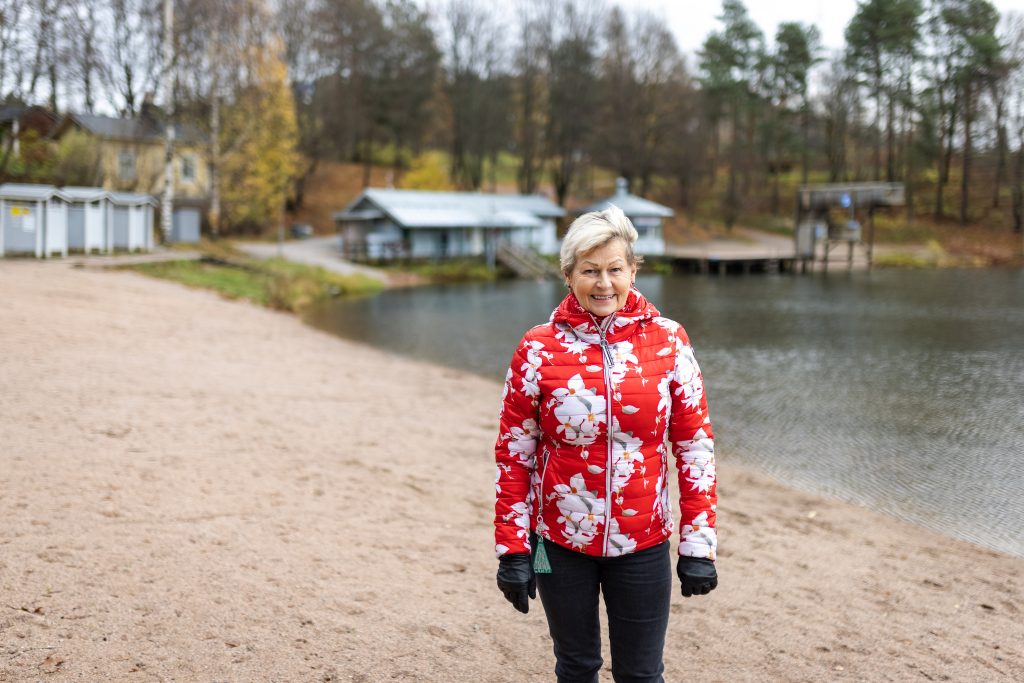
(900, 390)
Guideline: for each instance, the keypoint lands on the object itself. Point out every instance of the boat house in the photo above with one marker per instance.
(382, 224)
(646, 216)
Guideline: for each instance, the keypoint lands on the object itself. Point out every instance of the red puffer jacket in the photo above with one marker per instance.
(581, 451)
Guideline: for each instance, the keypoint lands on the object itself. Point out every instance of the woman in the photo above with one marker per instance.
(582, 463)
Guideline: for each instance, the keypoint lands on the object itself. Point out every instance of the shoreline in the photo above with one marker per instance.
(201, 489)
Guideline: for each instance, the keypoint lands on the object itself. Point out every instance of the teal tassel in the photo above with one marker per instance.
(540, 558)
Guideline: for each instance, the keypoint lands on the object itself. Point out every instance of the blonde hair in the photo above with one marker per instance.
(596, 229)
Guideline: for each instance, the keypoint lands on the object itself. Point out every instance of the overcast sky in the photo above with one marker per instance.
(693, 20)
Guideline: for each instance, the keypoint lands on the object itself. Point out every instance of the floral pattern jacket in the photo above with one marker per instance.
(590, 410)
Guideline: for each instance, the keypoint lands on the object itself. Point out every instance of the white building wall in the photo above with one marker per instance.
(545, 239)
(55, 230)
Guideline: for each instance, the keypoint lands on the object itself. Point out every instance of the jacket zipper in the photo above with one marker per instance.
(607, 363)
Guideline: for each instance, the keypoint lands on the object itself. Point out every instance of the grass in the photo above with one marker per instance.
(274, 283)
(452, 270)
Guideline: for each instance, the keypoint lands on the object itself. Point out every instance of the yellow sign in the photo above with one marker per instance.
(21, 211)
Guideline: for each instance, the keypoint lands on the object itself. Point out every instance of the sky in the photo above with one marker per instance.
(693, 20)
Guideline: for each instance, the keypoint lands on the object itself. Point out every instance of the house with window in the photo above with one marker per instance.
(387, 224)
(132, 158)
(647, 217)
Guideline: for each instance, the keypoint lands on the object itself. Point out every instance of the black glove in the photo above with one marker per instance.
(516, 580)
(697, 575)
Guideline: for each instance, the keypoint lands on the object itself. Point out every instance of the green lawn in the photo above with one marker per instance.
(275, 283)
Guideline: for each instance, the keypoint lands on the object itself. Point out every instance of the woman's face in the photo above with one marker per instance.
(602, 277)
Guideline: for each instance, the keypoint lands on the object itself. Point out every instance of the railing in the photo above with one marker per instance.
(525, 262)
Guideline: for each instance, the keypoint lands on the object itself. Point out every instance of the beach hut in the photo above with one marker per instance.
(88, 227)
(185, 224)
(647, 217)
(33, 220)
(131, 218)
(387, 223)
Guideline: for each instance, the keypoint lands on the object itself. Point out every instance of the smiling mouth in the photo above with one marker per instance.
(599, 297)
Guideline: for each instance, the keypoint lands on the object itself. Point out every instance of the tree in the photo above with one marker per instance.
(732, 61)
(968, 28)
(13, 49)
(77, 160)
(406, 78)
(350, 40)
(572, 100)
(535, 24)
(882, 39)
(839, 101)
(477, 89)
(1015, 115)
(796, 52)
(47, 16)
(133, 62)
(260, 131)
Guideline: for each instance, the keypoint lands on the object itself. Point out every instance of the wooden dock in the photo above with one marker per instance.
(752, 251)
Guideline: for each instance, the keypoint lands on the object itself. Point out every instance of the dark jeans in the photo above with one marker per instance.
(637, 589)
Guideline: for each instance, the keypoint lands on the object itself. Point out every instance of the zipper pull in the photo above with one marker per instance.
(607, 352)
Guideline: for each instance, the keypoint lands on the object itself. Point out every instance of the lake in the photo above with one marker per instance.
(899, 390)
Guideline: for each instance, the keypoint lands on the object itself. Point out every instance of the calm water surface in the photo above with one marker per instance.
(903, 391)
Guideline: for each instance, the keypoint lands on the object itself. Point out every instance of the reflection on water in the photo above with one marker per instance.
(900, 390)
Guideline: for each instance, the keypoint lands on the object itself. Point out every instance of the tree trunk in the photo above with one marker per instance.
(805, 139)
(878, 122)
(1000, 154)
(965, 179)
(367, 159)
(890, 158)
(215, 160)
(908, 178)
(1018, 185)
(775, 190)
(945, 152)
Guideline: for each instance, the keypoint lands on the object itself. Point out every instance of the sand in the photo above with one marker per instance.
(193, 489)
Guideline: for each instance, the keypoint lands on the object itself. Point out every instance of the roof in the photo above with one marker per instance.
(10, 113)
(35, 193)
(142, 129)
(863, 195)
(27, 192)
(83, 194)
(630, 204)
(131, 198)
(425, 209)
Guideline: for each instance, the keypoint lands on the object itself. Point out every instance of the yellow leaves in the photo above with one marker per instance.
(258, 138)
(427, 172)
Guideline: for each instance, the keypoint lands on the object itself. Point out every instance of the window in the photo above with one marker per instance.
(126, 165)
(188, 167)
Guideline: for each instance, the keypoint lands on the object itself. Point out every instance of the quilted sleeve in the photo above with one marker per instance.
(514, 452)
(693, 444)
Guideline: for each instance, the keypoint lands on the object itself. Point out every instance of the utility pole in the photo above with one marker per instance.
(167, 205)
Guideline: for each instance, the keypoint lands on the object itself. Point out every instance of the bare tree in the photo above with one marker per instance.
(572, 98)
(133, 62)
(535, 27)
(13, 48)
(477, 89)
(85, 21)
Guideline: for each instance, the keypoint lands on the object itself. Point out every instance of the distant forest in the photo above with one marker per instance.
(929, 93)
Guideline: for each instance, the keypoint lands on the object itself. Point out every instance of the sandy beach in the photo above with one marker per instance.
(194, 489)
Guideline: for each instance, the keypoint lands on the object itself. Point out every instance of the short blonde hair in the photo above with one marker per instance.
(596, 229)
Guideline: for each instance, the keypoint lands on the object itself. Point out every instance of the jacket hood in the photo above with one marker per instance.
(637, 310)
